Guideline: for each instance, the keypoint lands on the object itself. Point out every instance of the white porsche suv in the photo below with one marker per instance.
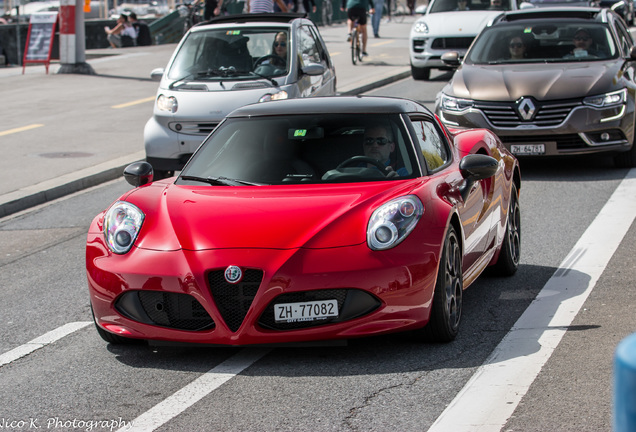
(449, 25)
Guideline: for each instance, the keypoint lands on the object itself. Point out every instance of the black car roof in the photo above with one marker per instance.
(331, 104)
(257, 17)
(587, 13)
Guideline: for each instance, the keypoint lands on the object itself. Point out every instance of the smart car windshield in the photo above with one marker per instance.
(469, 5)
(324, 148)
(219, 54)
(544, 42)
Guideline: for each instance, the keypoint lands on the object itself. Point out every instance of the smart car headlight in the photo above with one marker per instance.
(122, 223)
(420, 27)
(454, 104)
(276, 96)
(167, 103)
(393, 221)
(607, 99)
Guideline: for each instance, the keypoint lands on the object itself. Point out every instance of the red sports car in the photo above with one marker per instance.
(304, 220)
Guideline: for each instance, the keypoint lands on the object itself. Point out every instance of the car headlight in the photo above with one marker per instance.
(122, 223)
(167, 103)
(607, 99)
(393, 221)
(420, 27)
(450, 103)
(276, 96)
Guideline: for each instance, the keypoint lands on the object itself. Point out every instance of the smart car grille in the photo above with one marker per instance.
(452, 43)
(165, 309)
(352, 303)
(193, 128)
(234, 300)
(547, 114)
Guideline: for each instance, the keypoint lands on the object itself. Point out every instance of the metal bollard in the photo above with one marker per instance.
(625, 385)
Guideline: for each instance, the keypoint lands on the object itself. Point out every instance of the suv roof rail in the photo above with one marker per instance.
(280, 17)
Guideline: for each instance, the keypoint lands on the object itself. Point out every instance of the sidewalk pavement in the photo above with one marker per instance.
(65, 133)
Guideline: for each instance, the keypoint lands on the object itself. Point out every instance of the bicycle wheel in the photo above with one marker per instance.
(355, 45)
(359, 47)
(399, 11)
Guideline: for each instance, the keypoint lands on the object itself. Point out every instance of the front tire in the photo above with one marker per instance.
(508, 260)
(446, 312)
(422, 74)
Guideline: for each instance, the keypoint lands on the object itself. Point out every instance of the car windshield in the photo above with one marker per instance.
(219, 54)
(321, 148)
(471, 5)
(543, 42)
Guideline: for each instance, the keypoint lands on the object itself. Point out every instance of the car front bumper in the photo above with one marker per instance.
(187, 299)
(585, 130)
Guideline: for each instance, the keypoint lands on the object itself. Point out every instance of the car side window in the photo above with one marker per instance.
(432, 144)
(624, 38)
(308, 51)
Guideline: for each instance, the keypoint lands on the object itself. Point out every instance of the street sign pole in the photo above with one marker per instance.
(72, 39)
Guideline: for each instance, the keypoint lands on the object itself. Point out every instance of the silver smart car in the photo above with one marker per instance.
(226, 63)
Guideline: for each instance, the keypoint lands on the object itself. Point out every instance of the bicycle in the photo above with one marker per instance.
(327, 12)
(356, 43)
(190, 12)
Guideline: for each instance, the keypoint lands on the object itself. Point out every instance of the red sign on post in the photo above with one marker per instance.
(39, 42)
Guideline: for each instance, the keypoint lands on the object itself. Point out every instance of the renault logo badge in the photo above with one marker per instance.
(526, 109)
(233, 274)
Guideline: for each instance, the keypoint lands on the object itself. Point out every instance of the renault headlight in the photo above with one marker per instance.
(607, 99)
(122, 223)
(393, 221)
(454, 104)
(167, 103)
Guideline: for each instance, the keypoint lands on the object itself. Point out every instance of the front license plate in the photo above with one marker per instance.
(306, 311)
(527, 149)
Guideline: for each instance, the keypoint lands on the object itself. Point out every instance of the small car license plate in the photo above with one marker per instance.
(527, 149)
(306, 311)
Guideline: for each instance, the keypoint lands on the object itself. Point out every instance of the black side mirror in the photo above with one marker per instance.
(138, 173)
(475, 167)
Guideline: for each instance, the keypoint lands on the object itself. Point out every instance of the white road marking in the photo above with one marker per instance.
(195, 391)
(41, 341)
(490, 397)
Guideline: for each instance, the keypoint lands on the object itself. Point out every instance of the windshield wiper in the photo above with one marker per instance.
(270, 79)
(221, 181)
(172, 84)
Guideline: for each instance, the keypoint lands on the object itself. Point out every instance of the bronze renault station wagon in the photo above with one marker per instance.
(549, 82)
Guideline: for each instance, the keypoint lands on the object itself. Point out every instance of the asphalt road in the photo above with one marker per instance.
(71, 380)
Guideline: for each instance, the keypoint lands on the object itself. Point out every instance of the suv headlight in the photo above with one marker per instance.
(454, 104)
(122, 223)
(167, 103)
(393, 221)
(420, 27)
(607, 99)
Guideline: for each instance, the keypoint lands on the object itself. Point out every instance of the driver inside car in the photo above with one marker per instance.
(378, 144)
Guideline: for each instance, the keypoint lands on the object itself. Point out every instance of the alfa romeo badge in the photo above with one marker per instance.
(233, 274)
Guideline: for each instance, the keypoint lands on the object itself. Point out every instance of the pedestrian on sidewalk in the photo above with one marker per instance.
(264, 6)
(377, 17)
(122, 35)
(142, 30)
